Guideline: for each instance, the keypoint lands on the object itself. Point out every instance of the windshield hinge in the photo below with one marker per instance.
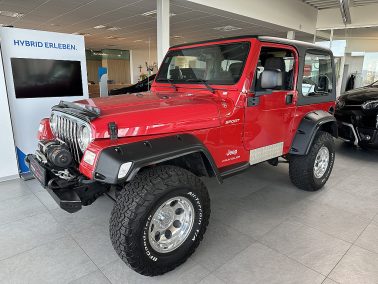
(113, 130)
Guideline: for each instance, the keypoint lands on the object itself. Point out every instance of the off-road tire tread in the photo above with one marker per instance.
(136, 199)
(301, 167)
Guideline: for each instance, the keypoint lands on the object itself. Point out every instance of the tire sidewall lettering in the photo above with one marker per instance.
(326, 175)
(145, 240)
(198, 208)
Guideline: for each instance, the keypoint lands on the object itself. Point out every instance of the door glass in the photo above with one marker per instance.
(317, 75)
(276, 59)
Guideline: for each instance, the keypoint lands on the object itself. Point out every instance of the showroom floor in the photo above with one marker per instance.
(262, 230)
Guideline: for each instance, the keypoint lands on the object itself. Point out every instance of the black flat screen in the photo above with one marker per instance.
(40, 78)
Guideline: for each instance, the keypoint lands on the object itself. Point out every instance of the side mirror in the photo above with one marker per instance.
(271, 79)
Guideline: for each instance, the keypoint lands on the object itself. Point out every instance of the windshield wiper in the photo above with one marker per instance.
(203, 82)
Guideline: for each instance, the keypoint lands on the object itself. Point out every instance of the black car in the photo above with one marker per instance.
(357, 116)
(141, 86)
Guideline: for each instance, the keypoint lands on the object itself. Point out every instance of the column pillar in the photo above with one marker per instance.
(162, 29)
(291, 35)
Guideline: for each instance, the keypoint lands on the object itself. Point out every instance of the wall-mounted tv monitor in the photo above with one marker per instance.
(40, 78)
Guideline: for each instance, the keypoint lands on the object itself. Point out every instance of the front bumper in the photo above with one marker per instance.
(366, 137)
(358, 126)
(69, 195)
(67, 198)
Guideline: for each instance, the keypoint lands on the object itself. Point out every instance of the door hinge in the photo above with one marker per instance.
(253, 101)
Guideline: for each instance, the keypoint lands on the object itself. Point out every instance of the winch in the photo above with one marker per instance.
(58, 154)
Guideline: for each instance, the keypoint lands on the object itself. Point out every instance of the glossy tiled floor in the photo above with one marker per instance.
(262, 230)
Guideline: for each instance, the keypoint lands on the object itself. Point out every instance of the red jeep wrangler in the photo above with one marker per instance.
(216, 108)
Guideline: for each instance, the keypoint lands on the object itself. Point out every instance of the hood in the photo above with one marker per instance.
(153, 113)
(360, 95)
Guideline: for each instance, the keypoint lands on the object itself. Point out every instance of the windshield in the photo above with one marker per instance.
(220, 64)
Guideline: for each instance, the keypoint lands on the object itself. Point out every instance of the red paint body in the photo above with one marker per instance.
(194, 109)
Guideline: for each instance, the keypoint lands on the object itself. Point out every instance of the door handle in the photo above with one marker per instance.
(289, 99)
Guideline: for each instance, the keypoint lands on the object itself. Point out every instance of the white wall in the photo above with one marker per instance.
(8, 164)
(139, 57)
(355, 67)
(362, 44)
(297, 16)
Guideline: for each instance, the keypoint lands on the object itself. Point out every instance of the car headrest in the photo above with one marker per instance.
(275, 63)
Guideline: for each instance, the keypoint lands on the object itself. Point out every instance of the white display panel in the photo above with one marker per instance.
(8, 164)
(41, 62)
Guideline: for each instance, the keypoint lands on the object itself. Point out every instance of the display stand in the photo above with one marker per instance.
(40, 69)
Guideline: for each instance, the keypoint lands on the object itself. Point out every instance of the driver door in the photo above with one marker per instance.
(270, 112)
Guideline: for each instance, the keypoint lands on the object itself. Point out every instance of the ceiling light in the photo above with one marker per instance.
(11, 14)
(153, 14)
(113, 28)
(83, 34)
(345, 13)
(227, 28)
(149, 13)
(99, 27)
(177, 36)
(115, 37)
(138, 40)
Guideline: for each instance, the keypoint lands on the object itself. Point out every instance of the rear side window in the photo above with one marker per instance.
(317, 75)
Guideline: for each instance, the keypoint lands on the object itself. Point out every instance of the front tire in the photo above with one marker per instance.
(310, 172)
(159, 219)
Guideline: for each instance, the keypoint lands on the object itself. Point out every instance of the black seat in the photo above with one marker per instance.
(276, 63)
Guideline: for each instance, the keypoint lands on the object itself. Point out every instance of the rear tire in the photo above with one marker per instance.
(310, 172)
(159, 219)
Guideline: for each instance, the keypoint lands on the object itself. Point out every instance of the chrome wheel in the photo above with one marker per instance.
(171, 224)
(321, 162)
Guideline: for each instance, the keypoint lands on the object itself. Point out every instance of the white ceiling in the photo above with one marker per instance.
(191, 22)
(328, 4)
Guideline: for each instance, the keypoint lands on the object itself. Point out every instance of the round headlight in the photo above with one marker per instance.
(53, 121)
(85, 137)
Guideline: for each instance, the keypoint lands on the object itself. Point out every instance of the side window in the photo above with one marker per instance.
(317, 75)
(276, 59)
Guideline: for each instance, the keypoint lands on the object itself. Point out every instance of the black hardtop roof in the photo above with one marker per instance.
(296, 43)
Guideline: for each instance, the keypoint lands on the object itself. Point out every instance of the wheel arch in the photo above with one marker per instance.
(311, 123)
(184, 150)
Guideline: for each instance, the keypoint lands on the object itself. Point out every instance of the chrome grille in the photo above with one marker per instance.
(67, 130)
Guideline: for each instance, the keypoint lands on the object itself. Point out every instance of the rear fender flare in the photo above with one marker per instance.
(307, 129)
(147, 153)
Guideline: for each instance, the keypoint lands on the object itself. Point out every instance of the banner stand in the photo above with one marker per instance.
(40, 70)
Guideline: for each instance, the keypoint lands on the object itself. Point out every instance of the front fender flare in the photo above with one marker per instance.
(307, 129)
(146, 153)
